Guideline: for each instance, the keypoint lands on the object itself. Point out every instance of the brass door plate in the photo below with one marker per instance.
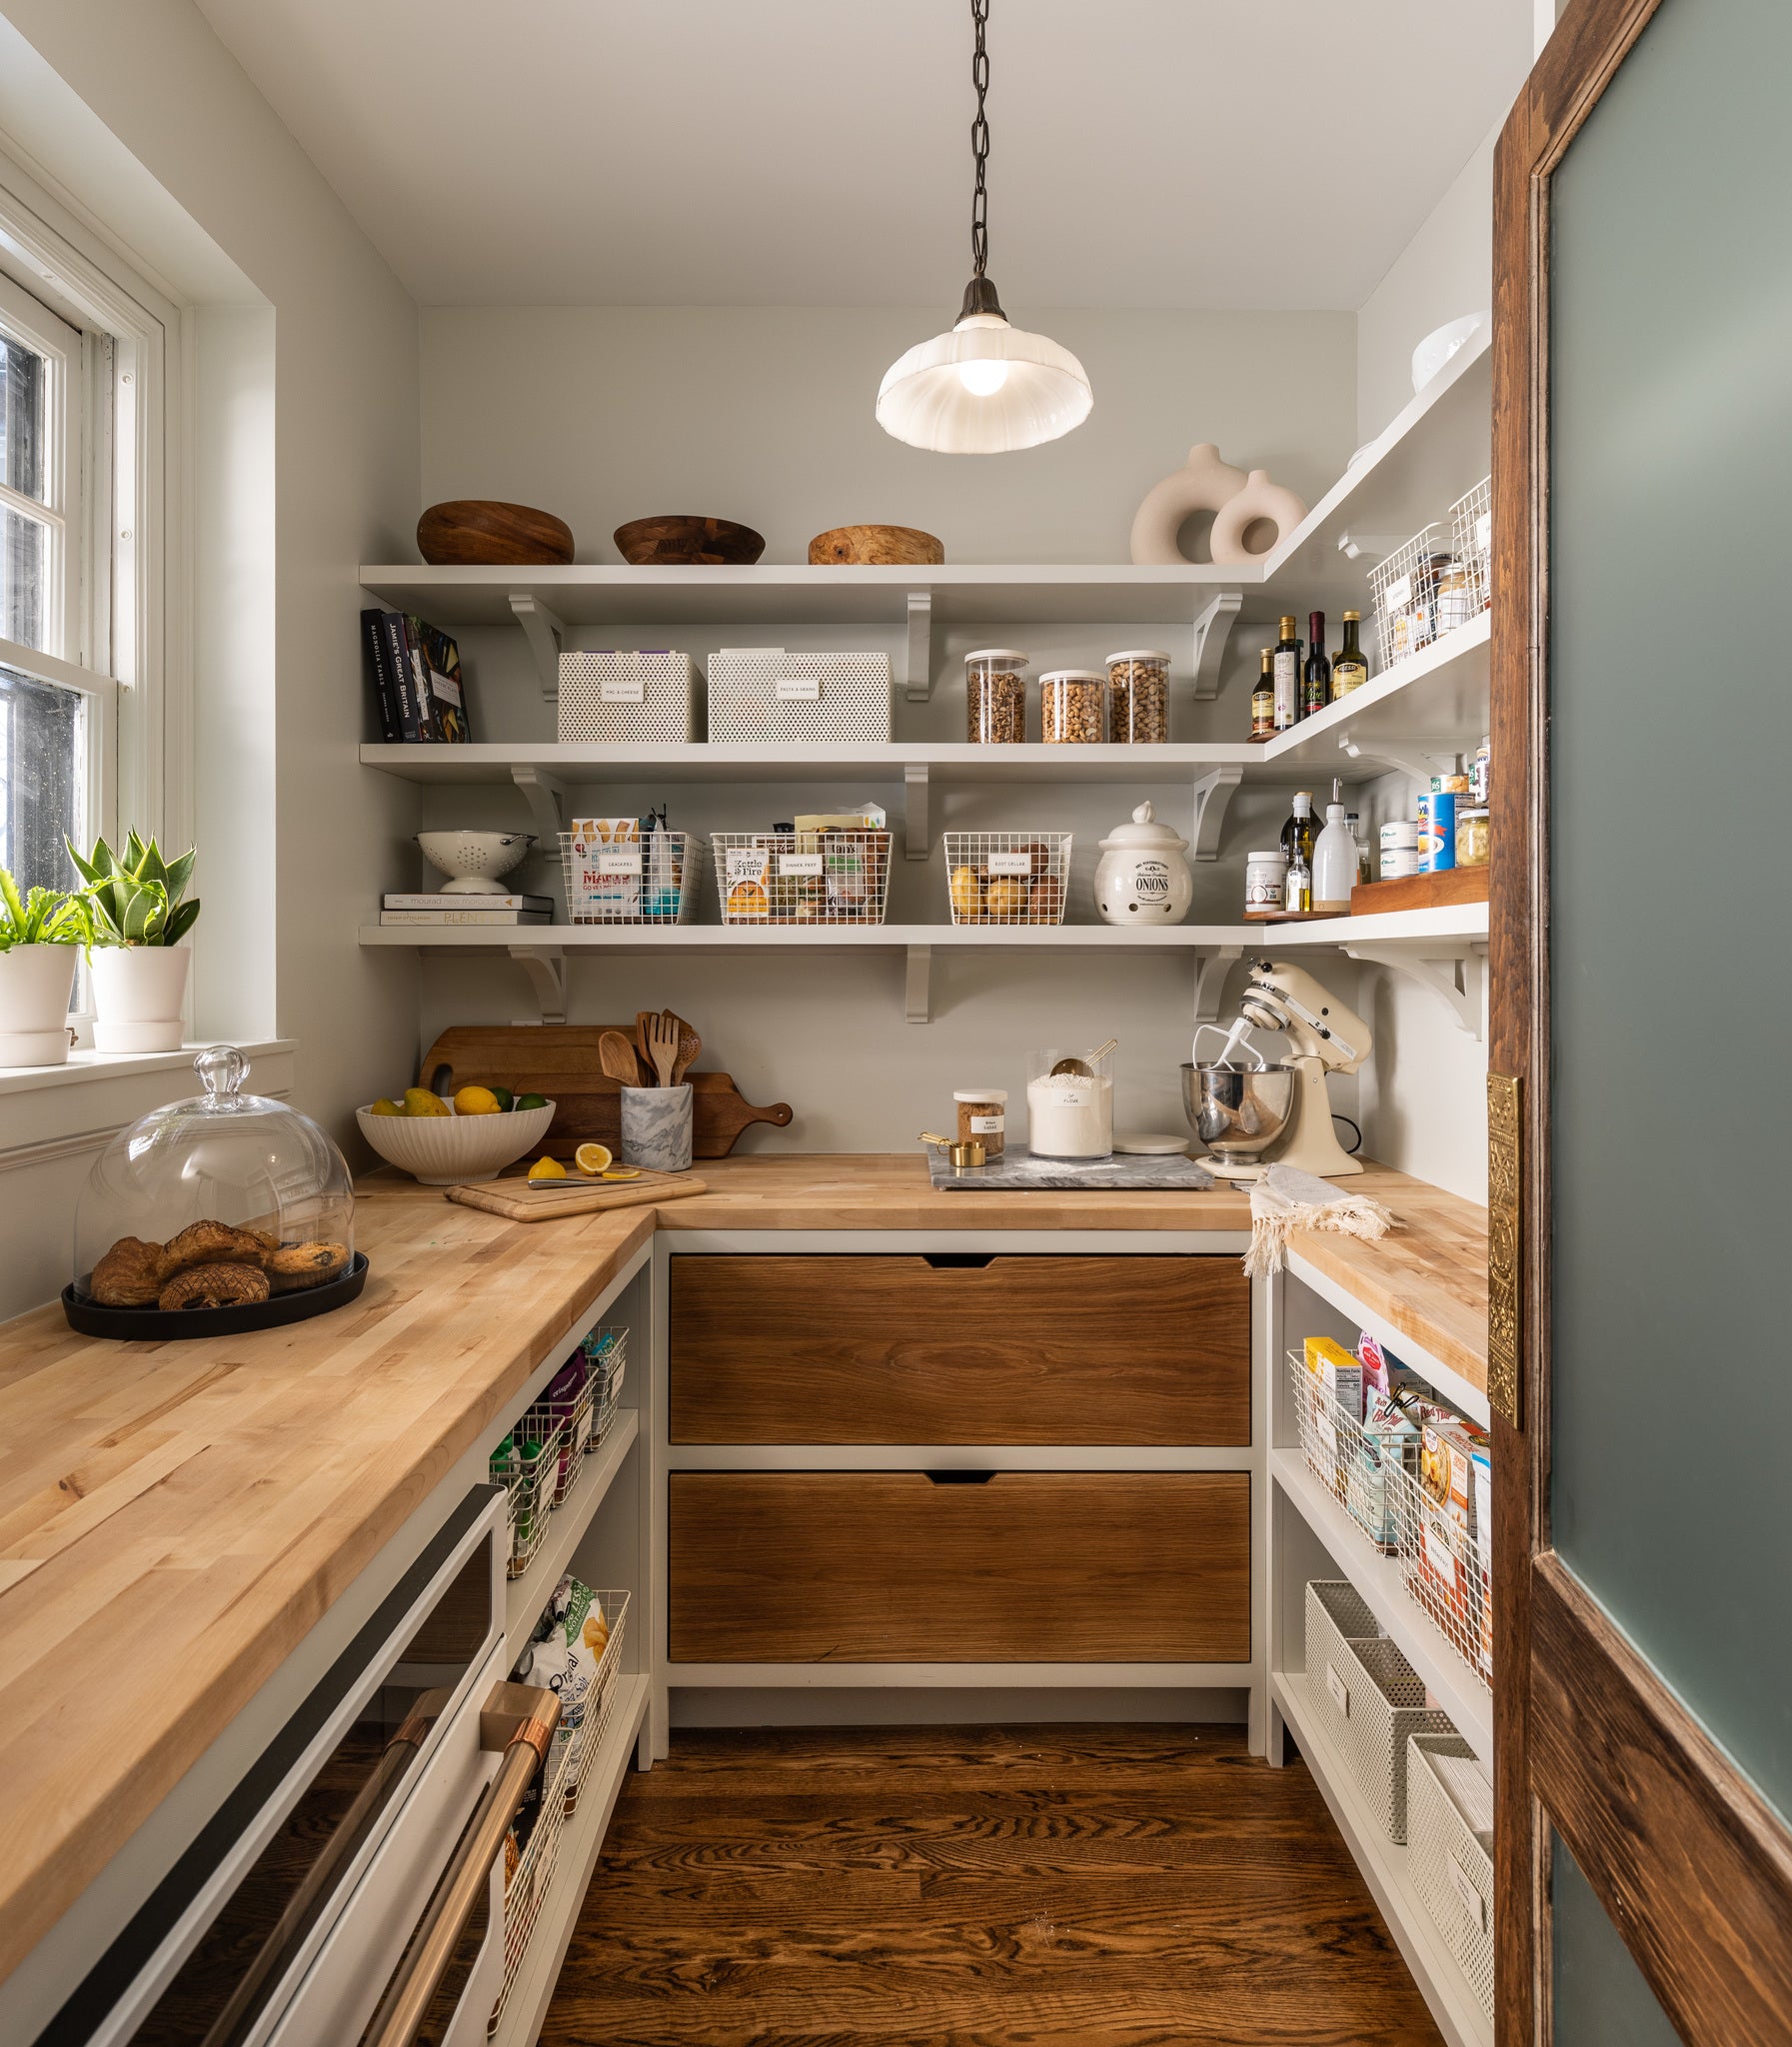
(1503, 1210)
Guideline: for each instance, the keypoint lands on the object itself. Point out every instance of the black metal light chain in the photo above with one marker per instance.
(980, 142)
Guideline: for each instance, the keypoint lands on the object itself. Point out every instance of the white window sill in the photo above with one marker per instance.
(49, 1112)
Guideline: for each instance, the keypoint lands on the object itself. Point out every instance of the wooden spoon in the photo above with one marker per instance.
(689, 1045)
(617, 1056)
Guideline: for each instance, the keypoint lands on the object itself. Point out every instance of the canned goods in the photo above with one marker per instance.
(1400, 835)
(1398, 863)
(1438, 832)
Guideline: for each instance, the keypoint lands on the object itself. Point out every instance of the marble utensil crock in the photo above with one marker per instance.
(657, 1128)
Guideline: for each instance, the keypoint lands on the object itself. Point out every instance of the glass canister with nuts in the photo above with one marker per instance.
(1070, 707)
(995, 697)
(1138, 697)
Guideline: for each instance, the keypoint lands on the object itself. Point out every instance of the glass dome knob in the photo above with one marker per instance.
(222, 1070)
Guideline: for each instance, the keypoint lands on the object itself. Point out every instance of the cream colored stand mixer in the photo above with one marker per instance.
(1324, 1037)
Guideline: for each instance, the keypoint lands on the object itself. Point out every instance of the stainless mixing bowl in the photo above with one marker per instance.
(1237, 1113)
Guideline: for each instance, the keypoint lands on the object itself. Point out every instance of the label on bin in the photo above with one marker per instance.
(1339, 1689)
(800, 864)
(626, 861)
(1472, 1902)
(795, 688)
(621, 689)
(1009, 862)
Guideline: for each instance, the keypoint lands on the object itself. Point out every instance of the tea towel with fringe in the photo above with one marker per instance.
(1286, 1200)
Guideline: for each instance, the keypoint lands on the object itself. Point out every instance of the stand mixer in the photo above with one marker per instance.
(1247, 1117)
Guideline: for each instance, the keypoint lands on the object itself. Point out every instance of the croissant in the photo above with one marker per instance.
(214, 1286)
(129, 1276)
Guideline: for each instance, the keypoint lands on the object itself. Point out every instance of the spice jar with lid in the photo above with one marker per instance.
(995, 695)
(1070, 707)
(1138, 697)
(983, 1114)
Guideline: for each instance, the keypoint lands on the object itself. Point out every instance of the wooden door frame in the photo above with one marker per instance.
(1689, 1861)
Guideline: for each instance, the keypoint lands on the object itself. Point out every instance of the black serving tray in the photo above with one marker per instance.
(162, 1325)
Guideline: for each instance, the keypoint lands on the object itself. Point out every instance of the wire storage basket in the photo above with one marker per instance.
(1366, 1696)
(1441, 1506)
(1007, 877)
(832, 877)
(1449, 1833)
(1347, 1459)
(614, 876)
(1404, 588)
(622, 695)
(762, 694)
(601, 1697)
(528, 1466)
(606, 1363)
(526, 1883)
(1471, 535)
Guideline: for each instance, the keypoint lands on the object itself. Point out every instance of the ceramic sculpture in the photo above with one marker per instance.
(1260, 500)
(1203, 484)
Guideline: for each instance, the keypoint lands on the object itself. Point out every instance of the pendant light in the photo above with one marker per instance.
(985, 386)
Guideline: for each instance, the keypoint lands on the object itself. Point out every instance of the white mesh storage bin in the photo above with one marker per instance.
(1366, 1696)
(766, 878)
(599, 1700)
(613, 694)
(1007, 877)
(526, 1885)
(763, 694)
(1471, 533)
(1448, 1567)
(1404, 588)
(1449, 1835)
(653, 880)
(1346, 1459)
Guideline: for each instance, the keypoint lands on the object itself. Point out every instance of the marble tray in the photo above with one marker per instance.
(1018, 1171)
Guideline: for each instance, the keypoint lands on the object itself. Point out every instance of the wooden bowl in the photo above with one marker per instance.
(481, 531)
(680, 536)
(889, 546)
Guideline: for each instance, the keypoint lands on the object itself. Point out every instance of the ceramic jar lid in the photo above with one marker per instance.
(1143, 832)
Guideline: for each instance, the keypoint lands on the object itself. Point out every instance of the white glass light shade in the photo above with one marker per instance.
(984, 389)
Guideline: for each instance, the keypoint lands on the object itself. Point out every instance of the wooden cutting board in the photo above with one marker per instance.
(520, 1200)
(560, 1061)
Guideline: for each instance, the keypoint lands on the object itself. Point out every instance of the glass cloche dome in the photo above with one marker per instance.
(226, 1210)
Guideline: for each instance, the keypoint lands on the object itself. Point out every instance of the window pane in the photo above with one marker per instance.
(43, 759)
(24, 388)
(24, 562)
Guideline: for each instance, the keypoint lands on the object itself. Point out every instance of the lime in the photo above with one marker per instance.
(531, 1101)
(504, 1097)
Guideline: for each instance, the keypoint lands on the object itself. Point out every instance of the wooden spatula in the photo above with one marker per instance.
(662, 1043)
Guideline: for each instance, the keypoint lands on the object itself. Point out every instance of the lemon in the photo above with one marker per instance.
(546, 1169)
(385, 1107)
(476, 1101)
(592, 1159)
(420, 1102)
(624, 1173)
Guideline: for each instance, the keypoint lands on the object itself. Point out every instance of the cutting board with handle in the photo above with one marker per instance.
(560, 1061)
(523, 1200)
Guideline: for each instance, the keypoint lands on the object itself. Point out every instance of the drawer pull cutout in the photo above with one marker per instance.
(959, 1477)
(959, 1262)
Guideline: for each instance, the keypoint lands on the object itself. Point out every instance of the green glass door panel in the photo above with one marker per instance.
(1602, 1999)
(1671, 874)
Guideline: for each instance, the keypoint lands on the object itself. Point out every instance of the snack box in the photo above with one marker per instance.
(1449, 1577)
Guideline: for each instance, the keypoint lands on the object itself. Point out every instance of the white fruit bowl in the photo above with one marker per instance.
(474, 860)
(442, 1150)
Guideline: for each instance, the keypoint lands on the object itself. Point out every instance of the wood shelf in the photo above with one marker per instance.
(526, 1596)
(1386, 1869)
(1381, 1581)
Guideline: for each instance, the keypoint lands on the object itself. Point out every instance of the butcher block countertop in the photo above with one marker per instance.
(175, 1517)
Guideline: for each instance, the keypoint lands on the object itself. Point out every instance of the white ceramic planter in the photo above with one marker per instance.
(138, 992)
(36, 982)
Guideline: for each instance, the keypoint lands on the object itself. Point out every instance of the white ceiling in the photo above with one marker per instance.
(1175, 152)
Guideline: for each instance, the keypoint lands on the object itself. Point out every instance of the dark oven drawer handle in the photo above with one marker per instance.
(520, 1721)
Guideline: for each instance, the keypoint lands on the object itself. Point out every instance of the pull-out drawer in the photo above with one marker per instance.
(899, 1567)
(1144, 1349)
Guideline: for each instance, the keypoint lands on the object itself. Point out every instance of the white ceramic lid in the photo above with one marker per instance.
(1008, 656)
(1072, 674)
(1143, 830)
(980, 1095)
(1270, 853)
(1141, 654)
(1149, 1143)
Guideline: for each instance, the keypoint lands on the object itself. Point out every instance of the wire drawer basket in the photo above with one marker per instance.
(1404, 590)
(589, 1735)
(606, 1363)
(1471, 533)
(1448, 1567)
(802, 876)
(526, 1885)
(1451, 1857)
(763, 694)
(529, 1485)
(618, 694)
(1007, 877)
(1366, 1696)
(655, 879)
(1349, 1459)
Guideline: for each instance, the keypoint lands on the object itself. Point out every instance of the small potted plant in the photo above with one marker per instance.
(139, 912)
(39, 933)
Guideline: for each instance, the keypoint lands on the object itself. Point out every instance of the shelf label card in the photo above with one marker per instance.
(1009, 862)
(796, 689)
(1339, 1689)
(1472, 1902)
(1483, 532)
(1398, 594)
(800, 864)
(626, 861)
(621, 689)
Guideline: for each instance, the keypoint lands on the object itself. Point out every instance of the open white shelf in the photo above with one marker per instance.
(1427, 709)
(580, 1844)
(1381, 1581)
(526, 1596)
(1386, 1869)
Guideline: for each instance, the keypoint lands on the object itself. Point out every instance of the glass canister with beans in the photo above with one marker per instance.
(1138, 697)
(995, 697)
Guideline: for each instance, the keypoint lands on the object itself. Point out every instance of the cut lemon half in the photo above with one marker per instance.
(592, 1159)
(624, 1173)
(546, 1169)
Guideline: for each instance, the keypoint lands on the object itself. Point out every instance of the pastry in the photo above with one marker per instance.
(214, 1286)
(129, 1276)
(212, 1243)
(306, 1265)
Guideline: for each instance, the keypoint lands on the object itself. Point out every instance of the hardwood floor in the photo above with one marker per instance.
(983, 1885)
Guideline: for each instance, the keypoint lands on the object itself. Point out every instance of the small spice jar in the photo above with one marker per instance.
(1138, 697)
(995, 697)
(1474, 842)
(983, 1114)
(1070, 707)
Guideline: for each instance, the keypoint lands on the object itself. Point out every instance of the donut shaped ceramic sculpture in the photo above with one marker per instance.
(1260, 500)
(1203, 484)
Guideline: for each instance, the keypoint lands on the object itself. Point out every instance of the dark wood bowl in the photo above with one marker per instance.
(680, 536)
(882, 546)
(485, 533)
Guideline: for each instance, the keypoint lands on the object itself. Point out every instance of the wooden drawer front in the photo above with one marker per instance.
(1029, 1566)
(1148, 1351)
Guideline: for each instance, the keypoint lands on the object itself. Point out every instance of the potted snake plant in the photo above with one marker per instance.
(39, 933)
(138, 911)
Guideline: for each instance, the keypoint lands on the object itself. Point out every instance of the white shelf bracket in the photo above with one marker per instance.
(1211, 970)
(1457, 979)
(917, 675)
(1212, 793)
(1212, 632)
(546, 798)
(915, 821)
(917, 990)
(545, 966)
(544, 630)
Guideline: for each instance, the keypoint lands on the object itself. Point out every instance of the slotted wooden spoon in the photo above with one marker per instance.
(662, 1033)
(689, 1045)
